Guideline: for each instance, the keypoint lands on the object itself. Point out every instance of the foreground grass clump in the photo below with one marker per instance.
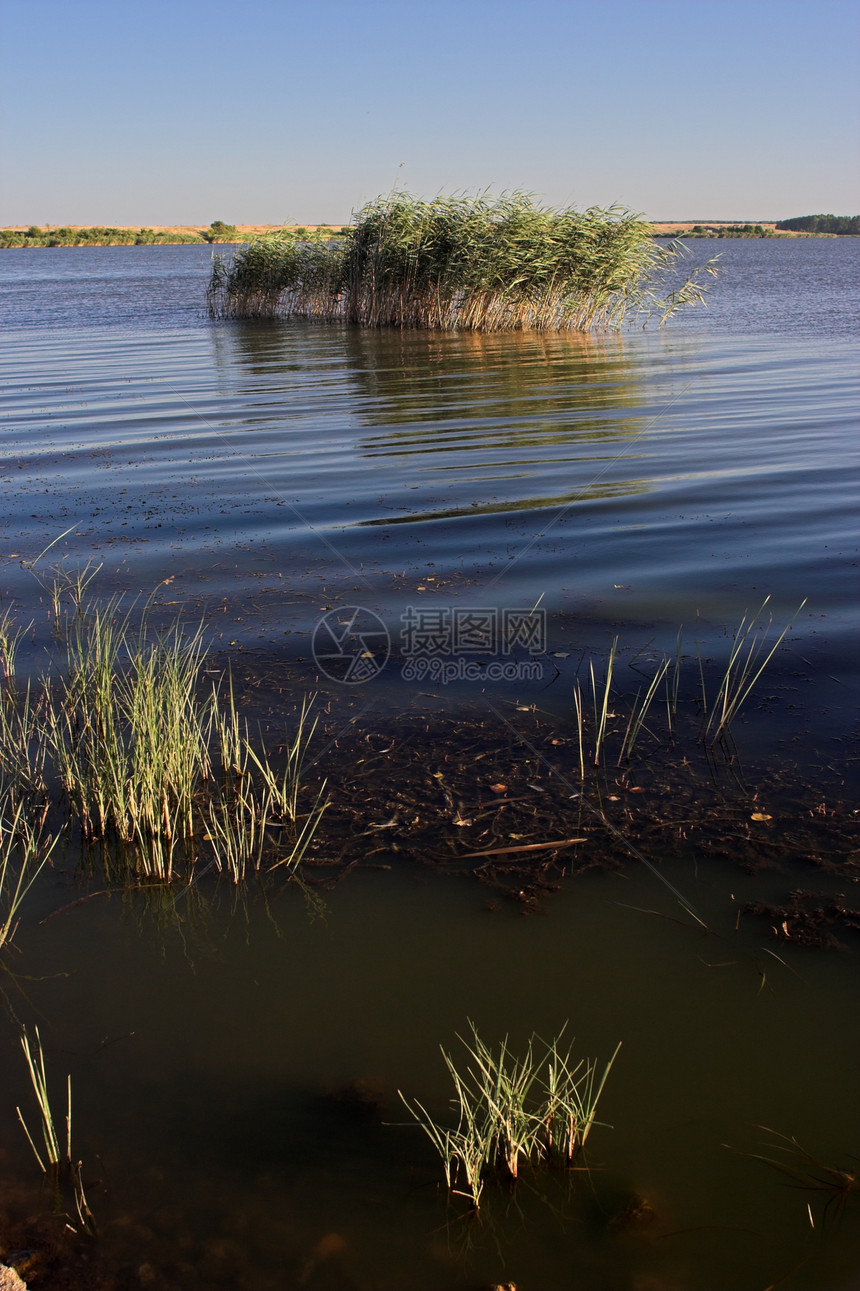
(512, 1110)
(128, 734)
(149, 756)
(469, 262)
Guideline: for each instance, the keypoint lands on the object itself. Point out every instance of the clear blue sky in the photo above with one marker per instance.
(263, 111)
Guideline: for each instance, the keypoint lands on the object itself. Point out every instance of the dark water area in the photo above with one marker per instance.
(364, 516)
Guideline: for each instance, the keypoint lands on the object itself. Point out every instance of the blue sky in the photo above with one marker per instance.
(263, 111)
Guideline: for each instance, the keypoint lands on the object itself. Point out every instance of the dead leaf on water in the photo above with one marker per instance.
(760, 815)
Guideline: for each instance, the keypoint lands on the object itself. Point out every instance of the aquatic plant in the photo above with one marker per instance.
(475, 263)
(10, 639)
(809, 1172)
(639, 710)
(24, 850)
(137, 745)
(38, 1078)
(128, 733)
(292, 273)
(513, 1109)
(237, 830)
(283, 788)
(749, 655)
(240, 816)
(743, 670)
(60, 1163)
(22, 750)
(601, 701)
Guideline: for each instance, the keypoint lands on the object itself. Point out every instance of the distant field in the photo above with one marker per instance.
(20, 235)
(188, 230)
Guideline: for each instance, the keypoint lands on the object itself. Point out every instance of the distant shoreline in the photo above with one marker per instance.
(40, 235)
(15, 236)
(727, 229)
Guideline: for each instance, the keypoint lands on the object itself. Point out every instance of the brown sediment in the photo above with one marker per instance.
(809, 918)
(423, 788)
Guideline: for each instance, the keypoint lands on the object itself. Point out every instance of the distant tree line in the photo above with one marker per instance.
(821, 224)
(95, 236)
(729, 231)
(101, 236)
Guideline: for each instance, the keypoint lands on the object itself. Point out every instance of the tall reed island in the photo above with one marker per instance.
(475, 263)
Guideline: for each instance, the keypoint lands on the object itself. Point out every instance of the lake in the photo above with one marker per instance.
(451, 540)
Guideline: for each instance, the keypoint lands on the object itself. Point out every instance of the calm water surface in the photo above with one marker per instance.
(631, 484)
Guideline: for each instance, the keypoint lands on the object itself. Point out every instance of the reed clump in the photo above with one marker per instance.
(128, 734)
(153, 762)
(512, 1110)
(473, 262)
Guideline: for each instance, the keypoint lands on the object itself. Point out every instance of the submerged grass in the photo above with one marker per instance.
(512, 1110)
(809, 1172)
(472, 262)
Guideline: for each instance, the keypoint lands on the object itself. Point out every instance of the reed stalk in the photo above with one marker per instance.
(638, 713)
(24, 851)
(284, 788)
(301, 834)
(23, 748)
(237, 830)
(10, 640)
(676, 676)
(59, 1162)
(577, 703)
(241, 818)
(601, 701)
(35, 1057)
(747, 662)
(806, 1171)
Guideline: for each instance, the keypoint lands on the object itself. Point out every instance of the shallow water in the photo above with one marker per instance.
(629, 485)
(660, 475)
